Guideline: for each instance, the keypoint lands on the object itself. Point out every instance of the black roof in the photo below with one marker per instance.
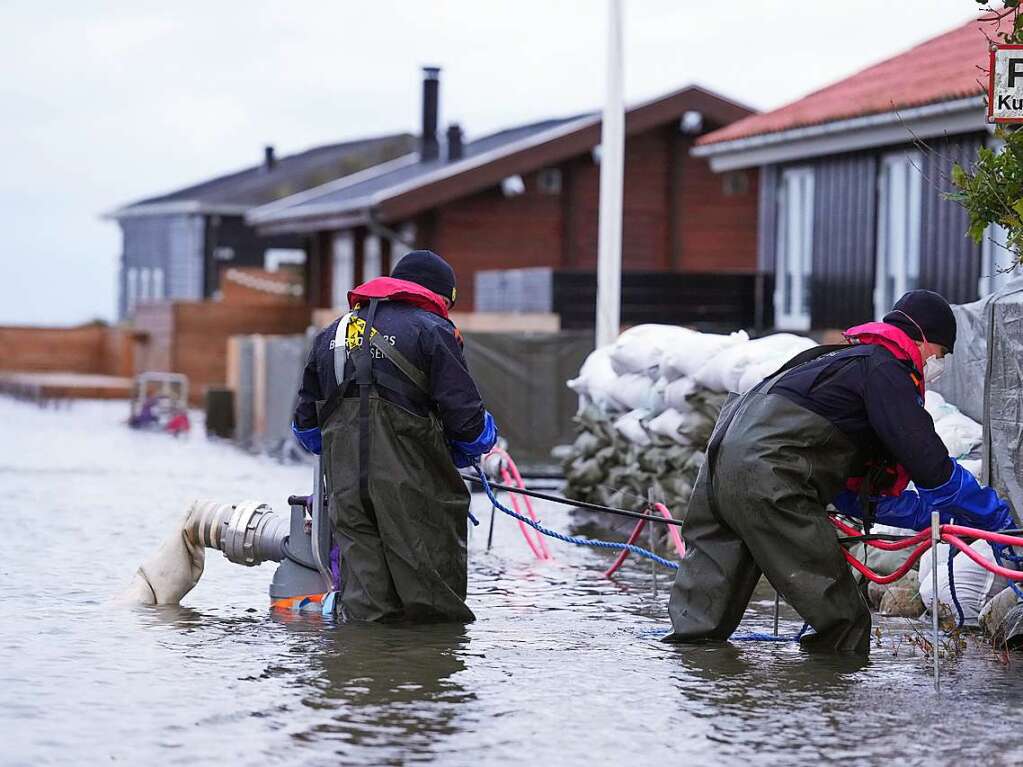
(290, 174)
(342, 194)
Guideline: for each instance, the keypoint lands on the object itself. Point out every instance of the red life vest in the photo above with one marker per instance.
(903, 348)
(398, 290)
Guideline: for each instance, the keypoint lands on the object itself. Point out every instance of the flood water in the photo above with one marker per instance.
(561, 667)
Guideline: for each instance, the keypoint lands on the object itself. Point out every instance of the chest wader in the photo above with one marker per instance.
(397, 504)
(759, 508)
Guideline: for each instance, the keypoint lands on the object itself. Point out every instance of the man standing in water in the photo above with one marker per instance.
(841, 424)
(387, 396)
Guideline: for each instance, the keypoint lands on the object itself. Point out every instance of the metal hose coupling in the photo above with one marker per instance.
(248, 532)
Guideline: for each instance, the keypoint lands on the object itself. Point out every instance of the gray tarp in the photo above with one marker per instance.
(522, 379)
(985, 380)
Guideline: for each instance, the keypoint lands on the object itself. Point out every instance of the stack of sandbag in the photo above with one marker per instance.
(648, 404)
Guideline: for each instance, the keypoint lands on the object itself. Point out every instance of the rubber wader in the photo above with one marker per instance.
(397, 504)
(759, 507)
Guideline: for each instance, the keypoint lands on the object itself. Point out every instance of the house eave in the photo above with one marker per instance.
(175, 208)
(898, 126)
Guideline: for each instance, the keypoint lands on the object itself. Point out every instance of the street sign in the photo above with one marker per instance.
(1005, 84)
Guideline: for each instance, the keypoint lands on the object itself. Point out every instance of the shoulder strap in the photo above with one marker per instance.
(400, 361)
(341, 348)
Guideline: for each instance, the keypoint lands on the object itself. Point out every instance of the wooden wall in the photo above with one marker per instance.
(678, 215)
(93, 349)
(192, 337)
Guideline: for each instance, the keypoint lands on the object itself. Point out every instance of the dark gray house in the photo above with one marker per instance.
(853, 185)
(175, 244)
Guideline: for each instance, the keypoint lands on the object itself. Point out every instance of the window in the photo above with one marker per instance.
(132, 289)
(144, 284)
(794, 250)
(898, 229)
(370, 257)
(157, 285)
(343, 272)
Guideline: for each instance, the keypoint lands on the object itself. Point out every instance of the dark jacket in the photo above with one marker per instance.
(870, 396)
(429, 342)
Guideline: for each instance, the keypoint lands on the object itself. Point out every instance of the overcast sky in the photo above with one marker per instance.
(106, 102)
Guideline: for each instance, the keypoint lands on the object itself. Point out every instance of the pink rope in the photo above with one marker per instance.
(676, 539)
(510, 476)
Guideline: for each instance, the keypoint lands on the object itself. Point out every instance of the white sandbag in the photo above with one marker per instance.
(635, 391)
(975, 586)
(973, 465)
(694, 351)
(639, 349)
(630, 426)
(960, 434)
(676, 394)
(597, 380)
(172, 571)
(668, 424)
(724, 371)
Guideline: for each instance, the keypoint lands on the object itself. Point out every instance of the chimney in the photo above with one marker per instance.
(429, 149)
(269, 161)
(454, 142)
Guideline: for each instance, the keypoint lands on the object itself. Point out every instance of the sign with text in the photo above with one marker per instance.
(1005, 84)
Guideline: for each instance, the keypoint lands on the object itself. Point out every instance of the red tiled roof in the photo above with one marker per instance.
(945, 67)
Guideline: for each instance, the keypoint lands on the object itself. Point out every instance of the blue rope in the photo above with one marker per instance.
(952, 551)
(757, 636)
(578, 541)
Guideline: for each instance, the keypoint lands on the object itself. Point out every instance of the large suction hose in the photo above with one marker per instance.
(247, 533)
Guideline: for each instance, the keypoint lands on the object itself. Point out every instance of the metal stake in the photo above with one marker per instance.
(935, 537)
(777, 607)
(653, 565)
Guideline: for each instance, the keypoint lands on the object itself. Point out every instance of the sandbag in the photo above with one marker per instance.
(597, 380)
(975, 586)
(902, 599)
(695, 351)
(677, 393)
(668, 424)
(635, 391)
(639, 349)
(630, 427)
(993, 613)
(172, 571)
(724, 371)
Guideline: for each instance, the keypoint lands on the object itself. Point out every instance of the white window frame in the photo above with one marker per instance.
(144, 294)
(131, 288)
(343, 268)
(157, 287)
(794, 249)
(899, 211)
(371, 258)
(994, 255)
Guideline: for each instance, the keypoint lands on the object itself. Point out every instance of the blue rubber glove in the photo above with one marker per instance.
(310, 439)
(464, 453)
(968, 501)
(907, 510)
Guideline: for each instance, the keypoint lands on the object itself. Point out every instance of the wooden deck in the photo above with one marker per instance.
(42, 387)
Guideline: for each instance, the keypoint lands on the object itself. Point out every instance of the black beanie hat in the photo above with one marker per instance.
(426, 268)
(930, 311)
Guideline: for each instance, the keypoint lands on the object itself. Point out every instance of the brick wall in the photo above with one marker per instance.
(92, 349)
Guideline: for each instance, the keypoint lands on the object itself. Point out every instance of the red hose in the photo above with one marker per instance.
(680, 546)
(1005, 572)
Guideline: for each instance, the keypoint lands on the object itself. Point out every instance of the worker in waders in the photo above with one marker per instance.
(838, 424)
(388, 399)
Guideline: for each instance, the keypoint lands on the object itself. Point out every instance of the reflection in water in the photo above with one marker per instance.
(387, 689)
